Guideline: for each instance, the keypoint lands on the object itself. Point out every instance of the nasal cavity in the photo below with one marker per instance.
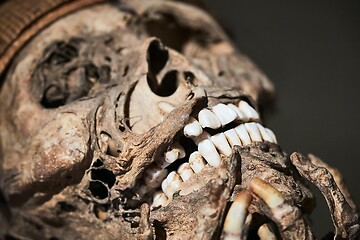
(168, 84)
(157, 57)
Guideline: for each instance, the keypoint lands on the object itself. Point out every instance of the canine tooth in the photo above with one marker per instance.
(193, 128)
(253, 131)
(159, 200)
(232, 137)
(208, 119)
(243, 134)
(249, 111)
(201, 137)
(240, 115)
(196, 161)
(165, 107)
(176, 152)
(271, 196)
(185, 171)
(265, 135)
(208, 151)
(224, 113)
(171, 184)
(154, 175)
(221, 143)
(271, 133)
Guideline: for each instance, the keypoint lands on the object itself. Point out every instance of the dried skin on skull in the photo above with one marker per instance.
(142, 119)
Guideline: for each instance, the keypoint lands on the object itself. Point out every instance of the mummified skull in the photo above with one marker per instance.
(137, 120)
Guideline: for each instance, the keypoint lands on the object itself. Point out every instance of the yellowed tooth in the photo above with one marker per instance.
(204, 135)
(253, 131)
(171, 184)
(240, 116)
(196, 161)
(271, 133)
(160, 200)
(154, 175)
(220, 142)
(192, 128)
(271, 196)
(176, 152)
(236, 216)
(243, 134)
(265, 233)
(185, 171)
(208, 151)
(248, 111)
(265, 135)
(232, 137)
(224, 113)
(208, 119)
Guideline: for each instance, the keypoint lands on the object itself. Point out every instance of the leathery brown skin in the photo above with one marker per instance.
(89, 183)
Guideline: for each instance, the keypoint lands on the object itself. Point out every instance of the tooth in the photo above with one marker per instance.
(271, 133)
(221, 143)
(265, 135)
(240, 115)
(165, 107)
(265, 233)
(232, 137)
(161, 162)
(253, 132)
(208, 119)
(193, 128)
(143, 190)
(201, 137)
(196, 161)
(271, 196)
(224, 113)
(185, 171)
(171, 184)
(243, 134)
(248, 110)
(154, 175)
(160, 200)
(208, 151)
(176, 152)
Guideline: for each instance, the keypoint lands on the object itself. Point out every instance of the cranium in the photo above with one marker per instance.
(139, 120)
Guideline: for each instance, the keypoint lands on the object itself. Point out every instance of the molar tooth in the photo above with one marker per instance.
(221, 143)
(193, 128)
(196, 161)
(185, 171)
(176, 152)
(165, 107)
(201, 137)
(249, 111)
(265, 135)
(224, 113)
(232, 137)
(243, 134)
(208, 151)
(160, 200)
(208, 119)
(241, 116)
(253, 131)
(271, 133)
(154, 175)
(171, 184)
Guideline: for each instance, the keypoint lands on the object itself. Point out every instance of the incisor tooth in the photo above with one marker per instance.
(185, 171)
(193, 128)
(160, 200)
(154, 175)
(208, 151)
(176, 152)
(171, 184)
(253, 131)
(224, 113)
(271, 133)
(221, 143)
(232, 137)
(236, 216)
(208, 119)
(265, 135)
(248, 111)
(241, 116)
(196, 161)
(243, 134)
(201, 137)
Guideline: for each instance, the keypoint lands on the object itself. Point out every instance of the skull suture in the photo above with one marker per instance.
(101, 118)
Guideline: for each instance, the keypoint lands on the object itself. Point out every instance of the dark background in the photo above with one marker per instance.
(311, 51)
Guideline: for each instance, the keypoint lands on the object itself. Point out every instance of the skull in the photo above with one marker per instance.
(95, 107)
